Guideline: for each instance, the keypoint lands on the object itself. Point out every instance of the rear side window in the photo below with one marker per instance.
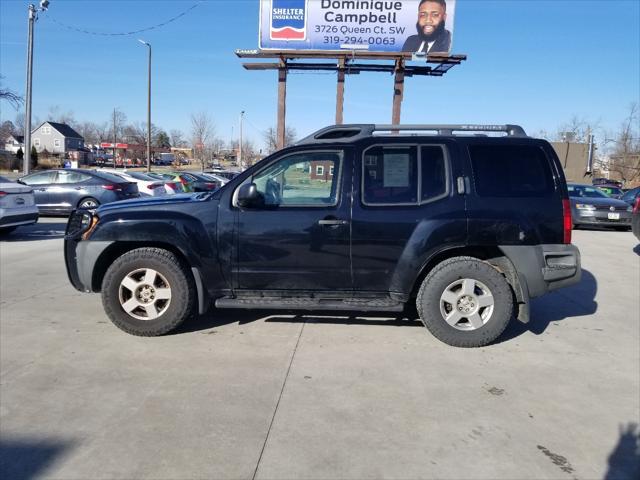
(434, 172)
(390, 175)
(71, 177)
(511, 171)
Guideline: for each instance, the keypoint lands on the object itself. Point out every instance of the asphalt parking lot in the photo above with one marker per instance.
(266, 395)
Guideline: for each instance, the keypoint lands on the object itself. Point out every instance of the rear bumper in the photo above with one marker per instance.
(14, 219)
(543, 268)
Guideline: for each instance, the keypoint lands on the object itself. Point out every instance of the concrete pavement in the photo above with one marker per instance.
(270, 395)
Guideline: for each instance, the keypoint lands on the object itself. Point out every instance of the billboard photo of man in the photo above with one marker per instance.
(432, 35)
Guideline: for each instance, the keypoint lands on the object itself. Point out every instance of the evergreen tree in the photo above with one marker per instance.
(34, 158)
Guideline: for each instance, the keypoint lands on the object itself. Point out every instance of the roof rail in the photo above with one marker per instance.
(350, 133)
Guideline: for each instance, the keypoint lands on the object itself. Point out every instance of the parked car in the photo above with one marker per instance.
(63, 190)
(598, 181)
(206, 182)
(147, 186)
(228, 174)
(467, 228)
(611, 191)
(17, 206)
(174, 182)
(590, 206)
(184, 179)
(630, 196)
(635, 219)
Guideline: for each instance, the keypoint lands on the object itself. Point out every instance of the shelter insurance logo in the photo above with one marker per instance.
(288, 20)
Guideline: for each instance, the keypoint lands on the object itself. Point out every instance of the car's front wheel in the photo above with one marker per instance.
(148, 292)
(465, 302)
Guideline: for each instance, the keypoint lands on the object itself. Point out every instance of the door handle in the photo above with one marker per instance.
(333, 222)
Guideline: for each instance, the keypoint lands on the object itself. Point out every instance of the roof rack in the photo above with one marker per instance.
(353, 132)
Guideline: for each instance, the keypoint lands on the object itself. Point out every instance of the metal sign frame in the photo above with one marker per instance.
(346, 63)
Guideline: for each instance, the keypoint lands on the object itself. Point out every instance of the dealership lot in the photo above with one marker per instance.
(269, 395)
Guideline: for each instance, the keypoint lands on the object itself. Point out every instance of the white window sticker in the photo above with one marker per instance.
(396, 170)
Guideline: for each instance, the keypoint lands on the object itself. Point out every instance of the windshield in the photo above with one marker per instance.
(584, 191)
(611, 190)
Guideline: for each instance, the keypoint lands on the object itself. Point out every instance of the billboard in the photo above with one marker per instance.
(415, 26)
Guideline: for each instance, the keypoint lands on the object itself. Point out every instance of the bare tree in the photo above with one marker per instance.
(10, 96)
(271, 138)
(104, 132)
(89, 132)
(177, 138)
(19, 123)
(120, 119)
(202, 133)
(576, 130)
(56, 114)
(7, 129)
(624, 158)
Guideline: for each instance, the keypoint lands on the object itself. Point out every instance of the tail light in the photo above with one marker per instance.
(636, 206)
(113, 188)
(153, 186)
(211, 186)
(567, 223)
(2, 194)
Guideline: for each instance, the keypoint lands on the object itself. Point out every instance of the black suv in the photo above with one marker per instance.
(467, 227)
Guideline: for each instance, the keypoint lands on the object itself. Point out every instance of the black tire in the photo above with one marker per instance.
(88, 203)
(6, 230)
(171, 270)
(483, 275)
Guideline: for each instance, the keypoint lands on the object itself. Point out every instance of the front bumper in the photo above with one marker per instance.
(601, 217)
(81, 256)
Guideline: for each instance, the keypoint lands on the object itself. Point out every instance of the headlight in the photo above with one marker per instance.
(584, 206)
(629, 208)
(93, 221)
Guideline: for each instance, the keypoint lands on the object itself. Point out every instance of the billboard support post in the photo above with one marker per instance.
(398, 92)
(282, 103)
(340, 93)
(347, 64)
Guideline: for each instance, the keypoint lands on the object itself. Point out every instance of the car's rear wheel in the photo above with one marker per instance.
(148, 292)
(465, 302)
(88, 203)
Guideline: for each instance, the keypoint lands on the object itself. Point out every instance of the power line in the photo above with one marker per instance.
(119, 34)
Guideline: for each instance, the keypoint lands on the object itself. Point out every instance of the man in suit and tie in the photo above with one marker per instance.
(432, 37)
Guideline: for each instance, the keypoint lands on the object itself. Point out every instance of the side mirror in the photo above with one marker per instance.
(249, 196)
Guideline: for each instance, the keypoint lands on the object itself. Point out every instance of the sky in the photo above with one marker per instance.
(533, 63)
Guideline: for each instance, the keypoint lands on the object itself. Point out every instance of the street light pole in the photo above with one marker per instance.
(148, 108)
(33, 16)
(240, 161)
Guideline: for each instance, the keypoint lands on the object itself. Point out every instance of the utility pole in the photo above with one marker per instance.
(115, 138)
(240, 162)
(33, 16)
(148, 108)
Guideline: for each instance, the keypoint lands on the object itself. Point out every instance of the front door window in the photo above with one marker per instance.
(302, 180)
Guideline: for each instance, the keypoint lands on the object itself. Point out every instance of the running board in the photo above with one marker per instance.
(275, 303)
